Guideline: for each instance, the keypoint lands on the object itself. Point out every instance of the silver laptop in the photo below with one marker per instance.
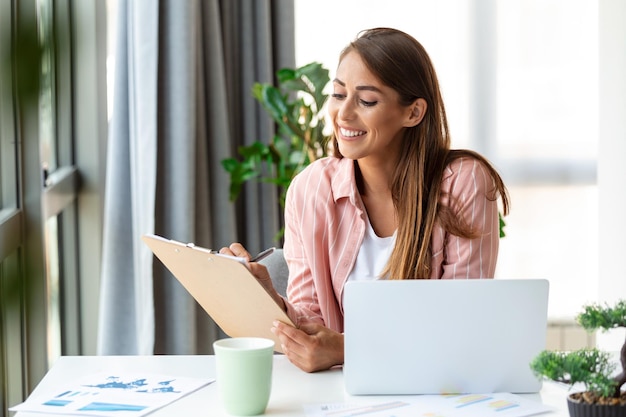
(443, 336)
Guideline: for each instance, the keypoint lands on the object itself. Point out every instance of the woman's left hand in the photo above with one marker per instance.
(311, 347)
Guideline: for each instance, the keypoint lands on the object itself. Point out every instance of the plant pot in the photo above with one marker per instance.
(583, 409)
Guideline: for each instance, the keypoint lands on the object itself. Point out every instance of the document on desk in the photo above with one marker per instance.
(108, 394)
(463, 405)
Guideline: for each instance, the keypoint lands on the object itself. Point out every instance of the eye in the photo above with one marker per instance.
(368, 103)
(338, 96)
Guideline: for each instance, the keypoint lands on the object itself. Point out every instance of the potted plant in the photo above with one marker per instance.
(296, 106)
(595, 370)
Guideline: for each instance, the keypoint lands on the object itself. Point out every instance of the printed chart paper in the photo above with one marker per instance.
(107, 394)
(466, 405)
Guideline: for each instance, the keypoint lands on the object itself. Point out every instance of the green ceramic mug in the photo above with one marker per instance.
(244, 374)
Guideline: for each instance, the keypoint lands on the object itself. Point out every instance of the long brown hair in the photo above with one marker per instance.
(402, 63)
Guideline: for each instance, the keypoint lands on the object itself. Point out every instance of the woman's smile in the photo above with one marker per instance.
(350, 134)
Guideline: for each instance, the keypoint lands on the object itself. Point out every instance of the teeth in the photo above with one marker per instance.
(350, 133)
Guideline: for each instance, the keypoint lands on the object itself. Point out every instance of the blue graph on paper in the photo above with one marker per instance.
(137, 385)
(103, 394)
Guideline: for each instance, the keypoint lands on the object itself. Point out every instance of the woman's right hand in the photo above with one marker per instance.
(311, 347)
(259, 271)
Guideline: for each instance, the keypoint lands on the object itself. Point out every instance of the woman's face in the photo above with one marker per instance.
(367, 117)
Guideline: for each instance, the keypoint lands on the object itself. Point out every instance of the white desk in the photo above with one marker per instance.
(291, 389)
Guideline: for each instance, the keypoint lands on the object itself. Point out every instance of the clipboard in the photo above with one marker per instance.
(223, 286)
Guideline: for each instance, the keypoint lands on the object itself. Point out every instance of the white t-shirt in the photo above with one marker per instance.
(373, 255)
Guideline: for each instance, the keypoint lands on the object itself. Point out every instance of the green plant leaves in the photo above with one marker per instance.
(295, 105)
(591, 367)
(271, 99)
(588, 366)
(595, 316)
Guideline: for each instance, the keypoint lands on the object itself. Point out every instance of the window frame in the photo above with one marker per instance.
(72, 194)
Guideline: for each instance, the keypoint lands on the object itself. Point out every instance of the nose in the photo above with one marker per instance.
(346, 110)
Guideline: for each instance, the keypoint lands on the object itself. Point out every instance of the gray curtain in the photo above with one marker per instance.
(182, 103)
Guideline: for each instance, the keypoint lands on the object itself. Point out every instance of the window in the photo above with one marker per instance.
(11, 321)
(51, 183)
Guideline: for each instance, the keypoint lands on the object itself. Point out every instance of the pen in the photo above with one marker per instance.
(263, 254)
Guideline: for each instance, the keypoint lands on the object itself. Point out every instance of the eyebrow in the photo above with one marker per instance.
(359, 87)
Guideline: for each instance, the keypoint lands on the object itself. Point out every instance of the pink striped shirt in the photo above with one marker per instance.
(326, 221)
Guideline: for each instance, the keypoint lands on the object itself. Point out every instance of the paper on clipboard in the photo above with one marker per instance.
(223, 286)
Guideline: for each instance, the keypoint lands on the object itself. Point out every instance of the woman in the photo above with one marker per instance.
(394, 202)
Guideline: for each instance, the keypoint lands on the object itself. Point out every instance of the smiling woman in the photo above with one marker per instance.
(393, 202)
(507, 71)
